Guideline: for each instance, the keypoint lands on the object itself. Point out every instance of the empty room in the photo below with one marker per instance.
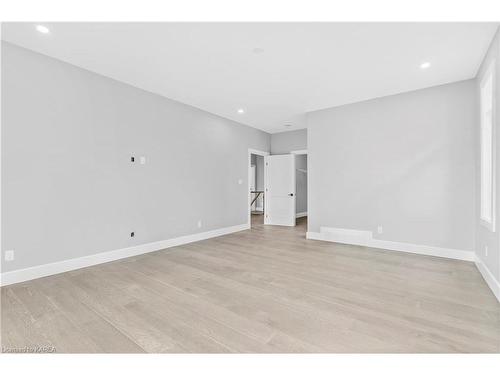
(246, 187)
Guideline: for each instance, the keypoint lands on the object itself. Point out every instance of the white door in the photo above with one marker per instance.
(280, 190)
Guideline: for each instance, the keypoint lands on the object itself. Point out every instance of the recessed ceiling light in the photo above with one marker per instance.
(425, 65)
(241, 111)
(42, 29)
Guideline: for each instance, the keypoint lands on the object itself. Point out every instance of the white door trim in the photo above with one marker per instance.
(249, 171)
(299, 152)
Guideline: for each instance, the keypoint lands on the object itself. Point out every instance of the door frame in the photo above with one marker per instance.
(249, 170)
(304, 152)
(253, 178)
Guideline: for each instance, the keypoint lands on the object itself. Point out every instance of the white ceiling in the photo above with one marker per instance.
(275, 71)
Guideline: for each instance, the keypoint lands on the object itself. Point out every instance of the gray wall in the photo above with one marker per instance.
(283, 143)
(405, 162)
(68, 186)
(484, 237)
(301, 184)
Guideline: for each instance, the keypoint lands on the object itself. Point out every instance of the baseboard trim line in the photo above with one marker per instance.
(488, 277)
(25, 274)
(365, 238)
(301, 214)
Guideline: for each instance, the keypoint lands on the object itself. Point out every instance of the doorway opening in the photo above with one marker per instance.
(285, 189)
(256, 184)
(277, 189)
(301, 189)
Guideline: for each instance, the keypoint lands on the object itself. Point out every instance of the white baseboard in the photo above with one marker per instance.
(43, 270)
(365, 238)
(301, 214)
(488, 277)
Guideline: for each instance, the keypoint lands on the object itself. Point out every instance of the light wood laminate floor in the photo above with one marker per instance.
(267, 289)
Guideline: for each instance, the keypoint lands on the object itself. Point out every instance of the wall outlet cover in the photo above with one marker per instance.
(9, 255)
(380, 229)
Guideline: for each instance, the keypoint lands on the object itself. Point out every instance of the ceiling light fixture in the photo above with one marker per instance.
(288, 125)
(241, 111)
(425, 65)
(42, 29)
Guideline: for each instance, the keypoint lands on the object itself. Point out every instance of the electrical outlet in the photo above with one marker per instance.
(142, 160)
(380, 229)
(240, 181)
(199, 223)
(9, 255)
(132, 234)
(486, 251)
(132, 159)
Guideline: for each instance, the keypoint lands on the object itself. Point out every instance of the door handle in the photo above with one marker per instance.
(290, 194)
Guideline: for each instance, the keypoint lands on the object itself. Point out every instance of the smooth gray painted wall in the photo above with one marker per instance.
(301, 184)
(484, 237)
(68, 186)
(283, 143)
(405, 162)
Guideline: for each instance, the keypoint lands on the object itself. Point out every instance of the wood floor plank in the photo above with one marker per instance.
(106, 336)
(264, 290)
(319, 299)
